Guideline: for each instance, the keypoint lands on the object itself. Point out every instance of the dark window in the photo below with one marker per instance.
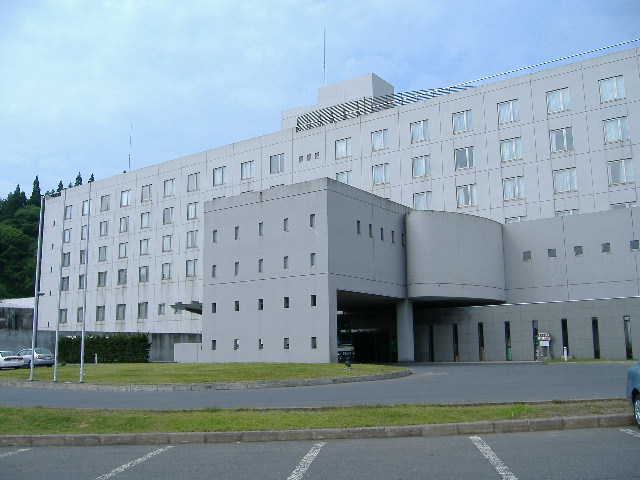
(456, 349)
(260, 344)
(551, 252)
(370, 231)
(285, 224)
(578, 250)
(236, 305)
(381, 234)
(260, 229)
(596, 337)
(526, 256)
(507, 340)
(314, 343)
(286, 343)
(236, 343)
(565, 334)
(481, 354)
(357, 229)
(393, 236)
(627, 337)
(313, 300)
(214, 307)
(534, 331)
(634, 244)
(285, 302)
(213, 344)
(606, 247)
(312, 220)
(236, 232)
(260, 304)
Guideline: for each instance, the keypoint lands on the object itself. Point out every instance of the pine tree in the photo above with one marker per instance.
(35, 193)
(60, 187)
(91, 179)
(70, 185)
(78, 180)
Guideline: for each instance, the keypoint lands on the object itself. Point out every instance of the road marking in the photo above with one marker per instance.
(133, 463)
(305, 463)
(628, 431)
(8, 454)
(494, 460)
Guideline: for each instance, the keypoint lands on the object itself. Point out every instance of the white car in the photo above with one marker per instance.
(9, 359)
(43, 357)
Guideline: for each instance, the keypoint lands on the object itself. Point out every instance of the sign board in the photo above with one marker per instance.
(544, 338)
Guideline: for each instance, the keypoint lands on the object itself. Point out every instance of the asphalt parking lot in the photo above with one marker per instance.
(430, 384)
(567, 455)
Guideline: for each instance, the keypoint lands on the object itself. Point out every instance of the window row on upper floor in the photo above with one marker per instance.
(579, 250)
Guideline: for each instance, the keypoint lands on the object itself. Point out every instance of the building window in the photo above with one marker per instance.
(192, 211)
(214, 307)
(143, 274)
(121, 312)
(82, 282)
(508, 112)
(214, 236)
(286, 343)
(561, 140)
(143, 308)
(191, 266)
(634, 244)
(370, 231)
(285, 302)
(236, 232)
(261, 304)
(420, 166)
(358, 229)
(511, 149)
(285, 262)
(565, 180)
(145, 194)
(463, 157)
(393, 236)
(611, 89)
(343, 148)
(105, 200)
(218, 176)
(67, 212)
(193, 182)
(247, 170)
(422, 200)
(620, 171)
(84, 232)
(312, 220)
(102, 254)
(64, 284)
(166, 271)
(214, 344)
(124, 224)
(515, 219)
(260, 229)
(102, 279)
(169, 187)
(551, 253)
(344, 177)
(300, 158)
(461, 121)
(104, 228)
(513, 188)
(316, 155)
(100, 313)
(83, 257)
(564, 213)
(166, 243)
(381, 174)
(285, 225)
(314, 301)
(276, 163)
(314, 343)
(605, 247)
(66, 259)
(192, 238)
(616, 130)
(312, 259)
(466, 195)
(578, 250)
(86, 207)
(125, 198)
(558, 100)
(167, 216)
(122, 276)
(236, 305)
(162, 309)
(62, 315)
(236, 344)
(214, 270)
(419, 131)
(145, 220)
(526, 256)
(379, 140)
(66, 235)
(236, 268)
(260, 265)
(122, 250)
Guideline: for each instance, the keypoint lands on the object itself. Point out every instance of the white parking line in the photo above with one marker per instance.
(494, 460)
(305, 463)
(628, 431)
(133, 463)
(8, 454)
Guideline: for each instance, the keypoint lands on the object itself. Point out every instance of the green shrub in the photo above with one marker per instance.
(118, 348)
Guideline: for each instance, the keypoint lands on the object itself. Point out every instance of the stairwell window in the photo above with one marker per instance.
(561, 140)
(192, 211)
(166, 243)
(143, 274)
(124, 224)
(169, 187)
(144, 246)
(86, 207)
(191, 266)
(104, 228)
(344, 177)
(68, 209)
(166, 271)
(125, 198)
(145, 220)
(167, 216)
(247, 170)
(122, 250)
(422, 201)
(102, 254)
(145, 193)
(105, 200)
(122, 276)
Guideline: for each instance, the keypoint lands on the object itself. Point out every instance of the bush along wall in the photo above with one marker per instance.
(118, 348)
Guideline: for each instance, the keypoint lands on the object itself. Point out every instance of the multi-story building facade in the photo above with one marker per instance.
(118, 253)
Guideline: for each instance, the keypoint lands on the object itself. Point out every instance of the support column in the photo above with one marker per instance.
(404, 329)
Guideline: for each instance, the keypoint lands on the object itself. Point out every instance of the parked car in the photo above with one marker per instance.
(9, 359)
(633, 390)
(43, 357)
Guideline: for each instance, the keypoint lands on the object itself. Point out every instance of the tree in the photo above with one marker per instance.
(78, 180)
(91, 179)
(60, 187)
(17, 262)
(70, 185)
(35, 193)
(15, 200)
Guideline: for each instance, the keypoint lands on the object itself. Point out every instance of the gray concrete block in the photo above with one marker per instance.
(616, 420)
(294, 435)
(580, 422)
(403, 431)
(510, 426)
(185, 437)
(50, 440)
(439, 430)
(115, 439)
(468, 428)
(545, 424)
(15, 441)
(259, 436)
(222, 437)
(150, 439)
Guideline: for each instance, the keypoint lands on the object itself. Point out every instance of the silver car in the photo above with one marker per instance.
(9, 359)
(633, 390)
(43, 357)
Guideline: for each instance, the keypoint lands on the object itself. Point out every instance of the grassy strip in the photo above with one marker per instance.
(69, 421)
(160, 373)
(588, 360)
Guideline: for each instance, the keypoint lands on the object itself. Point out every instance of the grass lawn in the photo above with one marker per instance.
(68, 421)
(158, 373)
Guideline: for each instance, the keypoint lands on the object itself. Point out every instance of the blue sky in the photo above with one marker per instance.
(192, 75)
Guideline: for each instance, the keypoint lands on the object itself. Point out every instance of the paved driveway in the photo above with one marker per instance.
(430, 384)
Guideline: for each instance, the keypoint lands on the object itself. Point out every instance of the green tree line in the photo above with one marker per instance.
(19, 218)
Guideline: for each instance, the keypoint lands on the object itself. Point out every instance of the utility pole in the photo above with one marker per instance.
(37, 291)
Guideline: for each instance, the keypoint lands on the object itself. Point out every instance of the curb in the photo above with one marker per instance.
(202, 387)
(434, 430)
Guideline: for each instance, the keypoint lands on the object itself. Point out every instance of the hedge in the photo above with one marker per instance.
(117, 348)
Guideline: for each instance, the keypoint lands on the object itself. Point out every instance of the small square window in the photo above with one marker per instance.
(214, 307)
(285, 262)
(551, 253)
(606, 247)
(358, 229)
(312, 220)
(312, 259)
(286, 343)
(261, 304)
(314, 301)
(300, 158)
(214, 344)
(526, 256)
(314, 343)
(578, 250)
(260, 265)
(213, 271)
(236, 232)
(285, 302)
(285, 225)
(634, 244)
(236, 268)
(260, 344)
(236, 305)
(236, 344)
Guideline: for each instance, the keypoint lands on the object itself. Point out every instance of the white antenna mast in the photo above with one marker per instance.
(324, 56)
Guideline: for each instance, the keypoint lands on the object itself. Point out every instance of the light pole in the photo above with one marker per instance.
(37, 292)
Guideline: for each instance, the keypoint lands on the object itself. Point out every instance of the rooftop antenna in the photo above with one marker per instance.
(130, 135)
(324, 56)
